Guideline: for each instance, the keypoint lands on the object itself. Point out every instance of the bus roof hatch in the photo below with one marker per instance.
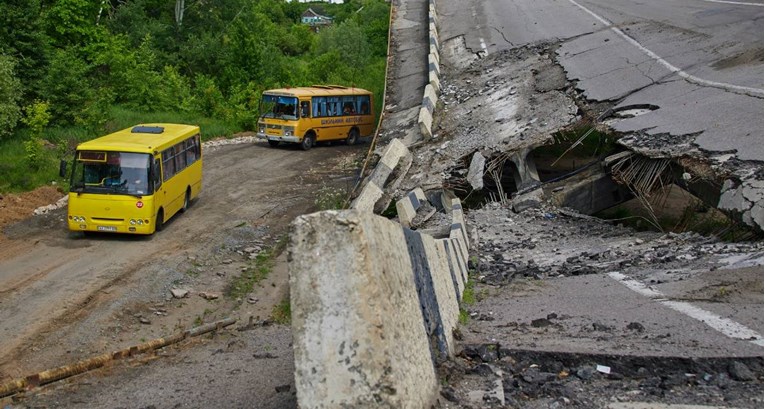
(147, 129)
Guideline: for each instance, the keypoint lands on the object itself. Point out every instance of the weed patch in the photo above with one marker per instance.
(257, 270)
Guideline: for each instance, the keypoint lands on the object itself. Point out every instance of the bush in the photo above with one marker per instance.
(37, 117)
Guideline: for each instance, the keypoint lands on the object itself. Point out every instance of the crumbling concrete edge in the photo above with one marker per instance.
(433, 89)
(374, 306)
(745, 198)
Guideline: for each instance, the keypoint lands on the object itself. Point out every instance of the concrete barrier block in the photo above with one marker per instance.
(433, 30)
(434, 41)
(406, 207)
(434, 82)
(433, 64)
(431, 263)
(426, 122)
(366, 200)
(434, 50)
(356, 317)
(393, 153)
(458, 228)
(447, 253)
(430, 98)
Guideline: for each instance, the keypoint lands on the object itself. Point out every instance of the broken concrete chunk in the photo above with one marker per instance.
(475, 174)
(209, 296)
(179, 293)
(528, 200)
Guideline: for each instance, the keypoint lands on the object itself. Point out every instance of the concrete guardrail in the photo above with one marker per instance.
(433, 89)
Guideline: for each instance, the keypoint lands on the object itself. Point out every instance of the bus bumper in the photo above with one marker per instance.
(293, 139)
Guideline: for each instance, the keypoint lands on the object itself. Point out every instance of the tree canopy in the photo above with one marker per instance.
(211, 58)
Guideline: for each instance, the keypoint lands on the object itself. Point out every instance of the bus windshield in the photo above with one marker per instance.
(111, 173)
(276, 106)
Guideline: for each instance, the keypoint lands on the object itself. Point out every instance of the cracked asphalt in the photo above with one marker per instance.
(697, 65)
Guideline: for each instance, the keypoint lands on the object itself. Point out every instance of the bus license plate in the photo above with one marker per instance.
(107, 228)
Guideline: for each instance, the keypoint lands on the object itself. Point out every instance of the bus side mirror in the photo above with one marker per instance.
(62, 168)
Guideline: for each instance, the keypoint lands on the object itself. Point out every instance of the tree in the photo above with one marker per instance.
(22, 37)
(10, 95)
(72, 22)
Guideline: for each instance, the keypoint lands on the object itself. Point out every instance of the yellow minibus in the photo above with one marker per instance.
(307, 115)
(133, 180)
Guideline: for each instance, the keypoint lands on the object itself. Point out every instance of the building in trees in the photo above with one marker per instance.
(315, 20)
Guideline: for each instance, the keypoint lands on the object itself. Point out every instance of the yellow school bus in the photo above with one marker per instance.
(307, 115)
(133, 180)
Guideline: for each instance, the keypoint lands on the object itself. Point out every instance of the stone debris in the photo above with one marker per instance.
(179, 293)
(209, 296)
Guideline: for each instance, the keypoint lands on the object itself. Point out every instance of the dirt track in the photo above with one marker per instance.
(65, 297)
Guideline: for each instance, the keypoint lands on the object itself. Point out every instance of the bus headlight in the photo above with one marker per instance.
(132, 222)
(289, 130)
(262, 128)
(78, 219)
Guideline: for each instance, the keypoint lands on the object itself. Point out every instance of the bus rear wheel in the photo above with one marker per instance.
(353, 137)
(159, 223)
(307, 142)
(273, 144)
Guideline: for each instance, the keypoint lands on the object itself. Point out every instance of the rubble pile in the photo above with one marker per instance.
(548, 242)
(492, 376)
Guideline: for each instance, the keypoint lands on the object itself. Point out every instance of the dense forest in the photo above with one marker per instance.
(72, 70)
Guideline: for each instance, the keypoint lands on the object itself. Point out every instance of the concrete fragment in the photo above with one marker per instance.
(209, 296)
(528, 200)
(475, 174)
(179, 293)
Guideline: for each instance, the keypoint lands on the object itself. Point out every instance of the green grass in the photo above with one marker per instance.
(468, 296)
(282, 312)
(17, 175)
(330, 198)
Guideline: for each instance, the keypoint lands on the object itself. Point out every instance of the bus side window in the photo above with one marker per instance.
(305, 109)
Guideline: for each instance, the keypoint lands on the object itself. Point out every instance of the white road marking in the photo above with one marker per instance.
(741, 3)
(726, 326)
(754, 92)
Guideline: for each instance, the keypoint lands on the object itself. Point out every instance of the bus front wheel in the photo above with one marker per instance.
(159, 223)
(307, 142)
